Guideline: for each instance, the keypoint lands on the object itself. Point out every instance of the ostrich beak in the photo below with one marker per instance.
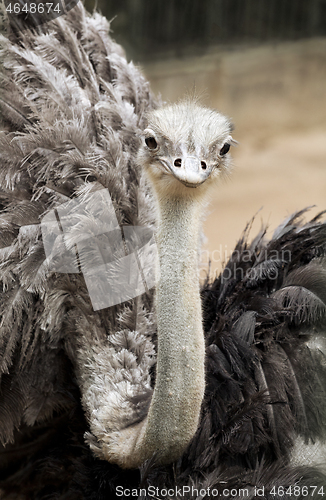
(190, 171)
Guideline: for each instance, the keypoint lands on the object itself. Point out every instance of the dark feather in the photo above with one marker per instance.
(73, 110)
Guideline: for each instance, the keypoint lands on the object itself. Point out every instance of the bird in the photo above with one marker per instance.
(187, 389)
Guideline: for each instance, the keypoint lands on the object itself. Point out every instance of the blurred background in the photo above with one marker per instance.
(262, 63)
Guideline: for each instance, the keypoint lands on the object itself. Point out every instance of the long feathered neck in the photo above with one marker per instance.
(175, 407)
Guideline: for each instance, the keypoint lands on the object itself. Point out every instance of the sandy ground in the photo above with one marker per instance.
(274, 178)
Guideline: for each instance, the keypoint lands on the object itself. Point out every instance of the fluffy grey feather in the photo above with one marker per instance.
(72, 112)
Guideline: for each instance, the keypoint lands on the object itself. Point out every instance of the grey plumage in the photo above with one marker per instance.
(72, 113)
(83, 109)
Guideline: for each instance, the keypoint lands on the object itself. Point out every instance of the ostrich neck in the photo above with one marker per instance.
(174, 412)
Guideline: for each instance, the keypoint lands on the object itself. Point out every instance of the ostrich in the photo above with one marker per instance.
(219, 387)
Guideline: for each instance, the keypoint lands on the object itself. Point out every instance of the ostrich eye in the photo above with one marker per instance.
(225, 149)
(151, 142)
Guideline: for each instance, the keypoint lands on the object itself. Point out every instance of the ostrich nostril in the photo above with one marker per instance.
(177, 162)
(203, 165)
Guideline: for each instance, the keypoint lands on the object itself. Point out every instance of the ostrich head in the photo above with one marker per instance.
(185, 146)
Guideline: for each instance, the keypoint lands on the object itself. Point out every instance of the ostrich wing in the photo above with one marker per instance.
(266, 317)
(72, 109)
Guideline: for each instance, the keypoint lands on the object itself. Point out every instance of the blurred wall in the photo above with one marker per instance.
(154, 29)
(265, 89)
